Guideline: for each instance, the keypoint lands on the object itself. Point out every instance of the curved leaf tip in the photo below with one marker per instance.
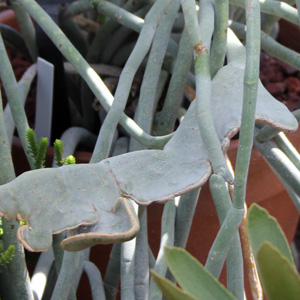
(279, 277)
(262, 227)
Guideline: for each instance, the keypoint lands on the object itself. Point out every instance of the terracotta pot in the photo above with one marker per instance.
(288, 35)
(8, 17)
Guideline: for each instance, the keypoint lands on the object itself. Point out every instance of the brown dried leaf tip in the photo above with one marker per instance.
(199, 49)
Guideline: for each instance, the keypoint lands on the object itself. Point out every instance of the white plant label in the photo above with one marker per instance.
(44, 98)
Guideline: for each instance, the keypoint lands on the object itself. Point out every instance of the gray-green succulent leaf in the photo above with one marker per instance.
(99, 195)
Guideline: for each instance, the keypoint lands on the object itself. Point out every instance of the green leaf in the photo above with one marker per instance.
(262, 227)
(193, 277)
(170, 290)
(278, 276)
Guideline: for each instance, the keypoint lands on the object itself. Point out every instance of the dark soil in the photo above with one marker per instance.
(281, 80)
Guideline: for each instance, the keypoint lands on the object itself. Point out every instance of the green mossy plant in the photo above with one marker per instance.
(38, 151)
(37, 148)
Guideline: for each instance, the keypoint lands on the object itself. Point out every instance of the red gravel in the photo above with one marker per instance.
(281, 80)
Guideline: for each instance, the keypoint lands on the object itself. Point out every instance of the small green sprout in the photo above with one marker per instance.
(37, 149)
(70, 160)
(58, 154)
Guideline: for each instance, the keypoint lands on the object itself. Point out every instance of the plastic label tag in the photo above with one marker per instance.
(44, 98)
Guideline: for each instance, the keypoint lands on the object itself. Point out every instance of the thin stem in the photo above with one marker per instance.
(14, 99)
(276, 8)
(185, 210)
(235, 269)
(17, 267)
(167, 117)
(235, 275)
(287, 147)
(271, 46)
(223, 241)
(101, 69)
(218, 48)
(15, 40)
(269, 22)
(27, 29)
(23, 87)
(234, 260)
(88, 74)
(191, 21)
(207, 20)
(78, 7)
(119, 37)
(100, 39)
(280, 163)
(95, 280)
(127, 268)
(167, 240)
(41, 274)
(251, 79)
(298, 7)
(294, 196)
(99, 43)
(141, 273)
(66, 275)
(112, 274)
(122, 16)
(279, 51)
(134, 61)
(74, 33)
(203, 91)
(146, 106)
(58, 251)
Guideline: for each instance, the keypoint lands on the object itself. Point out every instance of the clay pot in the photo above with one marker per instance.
(8, 17)
(288, 35)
